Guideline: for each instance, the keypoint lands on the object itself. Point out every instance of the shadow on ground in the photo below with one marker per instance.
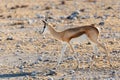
(15, 75)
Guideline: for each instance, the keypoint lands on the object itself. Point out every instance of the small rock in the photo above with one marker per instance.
(23, 6)
(73, 15)
(9, 38)
(62, 17)
(110, 78)
(19, 59)
(46, 60)
(50, 78)
(44, 53)
(50, 17)
(17, 45)
(22, 26)
(71, 72)
(101, 23)
(94, 1)
(1, 50)
(31, 39)
(1, 16)
(39, 16)
(88, 43)
(17, 23)
(43, 45)
(73, 77)
(48, 8)
(9, 16)
(39, 59)
(51, 72)
(82, 10)
(85, 17)
(97, 17)
(34, 73)
(108, 8)
(35, 7)
(21, 68)
(31, 21)
(62, 2)
(105, 16)
(115, 51)
(113, 73)
(50, 41)
(62, 78)
(13, 8)
(76, 46)
(111, 42)
(70, 58)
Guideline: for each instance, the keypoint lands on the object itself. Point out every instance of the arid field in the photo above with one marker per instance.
(26, 54)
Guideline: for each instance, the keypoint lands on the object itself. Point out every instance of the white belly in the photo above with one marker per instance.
(81, 39)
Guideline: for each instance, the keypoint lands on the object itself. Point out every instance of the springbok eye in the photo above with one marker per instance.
(53, 25)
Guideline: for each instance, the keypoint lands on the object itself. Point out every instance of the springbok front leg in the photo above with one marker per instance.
(95, 48)
(108, 58)
(71, 48)
(75, 57)
(95, 51)
(64, 46)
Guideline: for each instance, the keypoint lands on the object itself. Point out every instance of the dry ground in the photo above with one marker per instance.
(25, 54)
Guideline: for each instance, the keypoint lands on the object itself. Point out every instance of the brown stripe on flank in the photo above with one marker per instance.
(77, 35)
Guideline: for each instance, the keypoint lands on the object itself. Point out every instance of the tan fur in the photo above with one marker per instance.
(68, 34)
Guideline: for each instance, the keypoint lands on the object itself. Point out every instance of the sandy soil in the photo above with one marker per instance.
(25, 54)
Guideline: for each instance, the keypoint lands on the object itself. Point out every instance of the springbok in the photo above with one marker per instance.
(69, 35)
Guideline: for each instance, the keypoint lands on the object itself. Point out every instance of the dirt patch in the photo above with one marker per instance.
(25, 54)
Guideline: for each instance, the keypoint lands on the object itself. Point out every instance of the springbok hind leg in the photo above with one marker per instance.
(103, 47)
(95, 50)
(94, 40)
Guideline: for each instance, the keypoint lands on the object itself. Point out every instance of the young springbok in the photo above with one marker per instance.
(69, 35)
